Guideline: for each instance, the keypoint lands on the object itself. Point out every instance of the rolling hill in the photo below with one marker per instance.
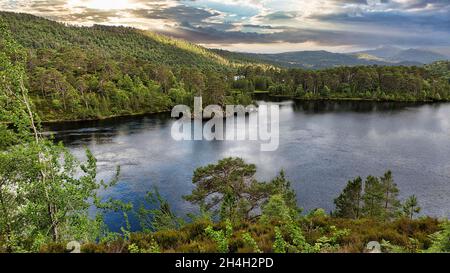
(314, 59)
(115, 42)
(396, 55)
(419, 55)
(384, 52)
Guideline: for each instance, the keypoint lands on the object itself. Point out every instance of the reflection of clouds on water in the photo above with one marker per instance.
(322, 145)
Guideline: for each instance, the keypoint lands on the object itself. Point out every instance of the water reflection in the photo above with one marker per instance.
(322, 145)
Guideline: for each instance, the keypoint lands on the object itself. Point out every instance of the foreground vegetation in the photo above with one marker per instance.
(241, 215)
(96, 72)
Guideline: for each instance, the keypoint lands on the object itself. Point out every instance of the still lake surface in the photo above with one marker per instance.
(322, 146)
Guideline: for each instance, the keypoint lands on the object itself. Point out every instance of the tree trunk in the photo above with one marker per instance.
(51, 207)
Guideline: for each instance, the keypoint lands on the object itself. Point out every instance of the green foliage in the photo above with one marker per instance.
(116, 42)
(323, 234)
(15, 107)
(390, 248)
(247, 237)
(362, 82)
(221, 237)
(281, 185)
(390, 196)
(279, 244)
(294, 240)
(276, 211)
(378, 198)
(235, 194)
(74, 75)
(373, 198)
(228, 189)
(96, 86)
(441, 239)
(159, 218)
(153, 248)
(180, 96)
(411, 207)
(411, 247)
(45, 193)
(348, 204)
(440, 69)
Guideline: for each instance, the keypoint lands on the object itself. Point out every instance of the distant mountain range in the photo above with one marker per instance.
(323, 59)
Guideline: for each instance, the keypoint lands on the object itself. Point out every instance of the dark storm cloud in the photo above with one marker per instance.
(280, 15)
(183, 14)
(296, 35)
(179, 13)
(436, 18)
(267, 27)
(411, 4)
(408, 26)
(418, 4)
(350, 1)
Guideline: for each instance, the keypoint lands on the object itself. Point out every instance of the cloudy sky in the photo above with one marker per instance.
(265, 25)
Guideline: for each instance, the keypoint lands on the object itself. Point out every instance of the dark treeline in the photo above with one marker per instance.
(94, 72)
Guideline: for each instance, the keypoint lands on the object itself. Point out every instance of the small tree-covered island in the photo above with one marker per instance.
(49, 197)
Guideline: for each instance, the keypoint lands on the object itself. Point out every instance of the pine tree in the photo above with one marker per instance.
(373, 198)
(348, 204)
(390, 195)
(411, 207)
(281, 185)
(228, 188)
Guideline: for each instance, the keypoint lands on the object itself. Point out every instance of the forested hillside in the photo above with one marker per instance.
(102, 71)
(440, 69)
(93, 72)
(113, 42)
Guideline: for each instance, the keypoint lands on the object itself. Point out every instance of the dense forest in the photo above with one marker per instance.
(363, 82)
(101, 71)
(84, 73)
(46, 194)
